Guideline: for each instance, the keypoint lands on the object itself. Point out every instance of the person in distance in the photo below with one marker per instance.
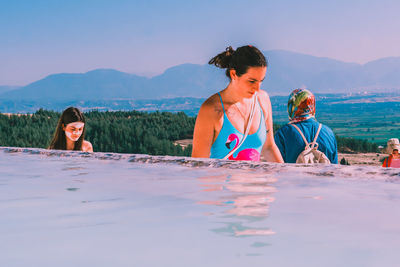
(393, 160)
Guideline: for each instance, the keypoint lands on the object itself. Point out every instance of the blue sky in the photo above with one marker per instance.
(42, 37)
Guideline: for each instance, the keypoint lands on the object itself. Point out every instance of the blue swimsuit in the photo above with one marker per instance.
(229, 137)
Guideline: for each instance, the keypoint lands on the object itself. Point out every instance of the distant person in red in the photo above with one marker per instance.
(393, 147)
(70, 132)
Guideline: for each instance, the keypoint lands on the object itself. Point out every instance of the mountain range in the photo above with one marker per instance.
(5, 88)
(286, 71)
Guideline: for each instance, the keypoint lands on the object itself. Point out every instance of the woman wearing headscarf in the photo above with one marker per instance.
(393, 160)
(301, 110)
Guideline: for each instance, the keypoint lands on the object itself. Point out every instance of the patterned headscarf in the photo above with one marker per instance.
(301, 105)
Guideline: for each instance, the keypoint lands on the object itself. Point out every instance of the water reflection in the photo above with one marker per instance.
(244, 197)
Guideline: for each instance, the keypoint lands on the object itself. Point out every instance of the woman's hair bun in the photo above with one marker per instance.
(239, 60)
(222, 60)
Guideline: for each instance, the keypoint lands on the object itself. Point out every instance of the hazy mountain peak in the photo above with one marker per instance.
(388, 61)
(110, 72)
(287, 70)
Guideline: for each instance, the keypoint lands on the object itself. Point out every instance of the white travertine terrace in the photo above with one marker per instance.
(62, 208)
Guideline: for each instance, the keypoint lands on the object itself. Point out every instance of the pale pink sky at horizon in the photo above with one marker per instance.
(145, 38)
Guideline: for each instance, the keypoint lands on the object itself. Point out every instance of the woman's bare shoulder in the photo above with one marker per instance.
(263, 96)
(87, 146)
(212, 106)
(264, 101)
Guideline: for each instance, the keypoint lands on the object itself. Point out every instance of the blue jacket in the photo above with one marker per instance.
(291, 144)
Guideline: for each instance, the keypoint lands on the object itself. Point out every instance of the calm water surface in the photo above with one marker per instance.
(113, 210)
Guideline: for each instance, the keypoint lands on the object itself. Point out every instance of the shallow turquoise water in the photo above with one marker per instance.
(77, 209)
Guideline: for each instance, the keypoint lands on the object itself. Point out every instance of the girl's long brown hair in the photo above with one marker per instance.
(59, 140)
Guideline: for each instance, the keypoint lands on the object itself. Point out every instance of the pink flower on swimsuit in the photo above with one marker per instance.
(245, 154)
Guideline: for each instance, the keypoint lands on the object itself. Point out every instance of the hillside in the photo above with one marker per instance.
(286, 71)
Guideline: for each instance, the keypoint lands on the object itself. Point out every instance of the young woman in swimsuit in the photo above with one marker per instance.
(70, 132)
(223, 117)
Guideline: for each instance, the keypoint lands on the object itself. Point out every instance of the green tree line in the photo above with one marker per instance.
(124, 132)
(121, 131)
(346, 144)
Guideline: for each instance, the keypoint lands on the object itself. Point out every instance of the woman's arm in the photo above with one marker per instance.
(270, 151)
(280, 143)
(203, 134)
